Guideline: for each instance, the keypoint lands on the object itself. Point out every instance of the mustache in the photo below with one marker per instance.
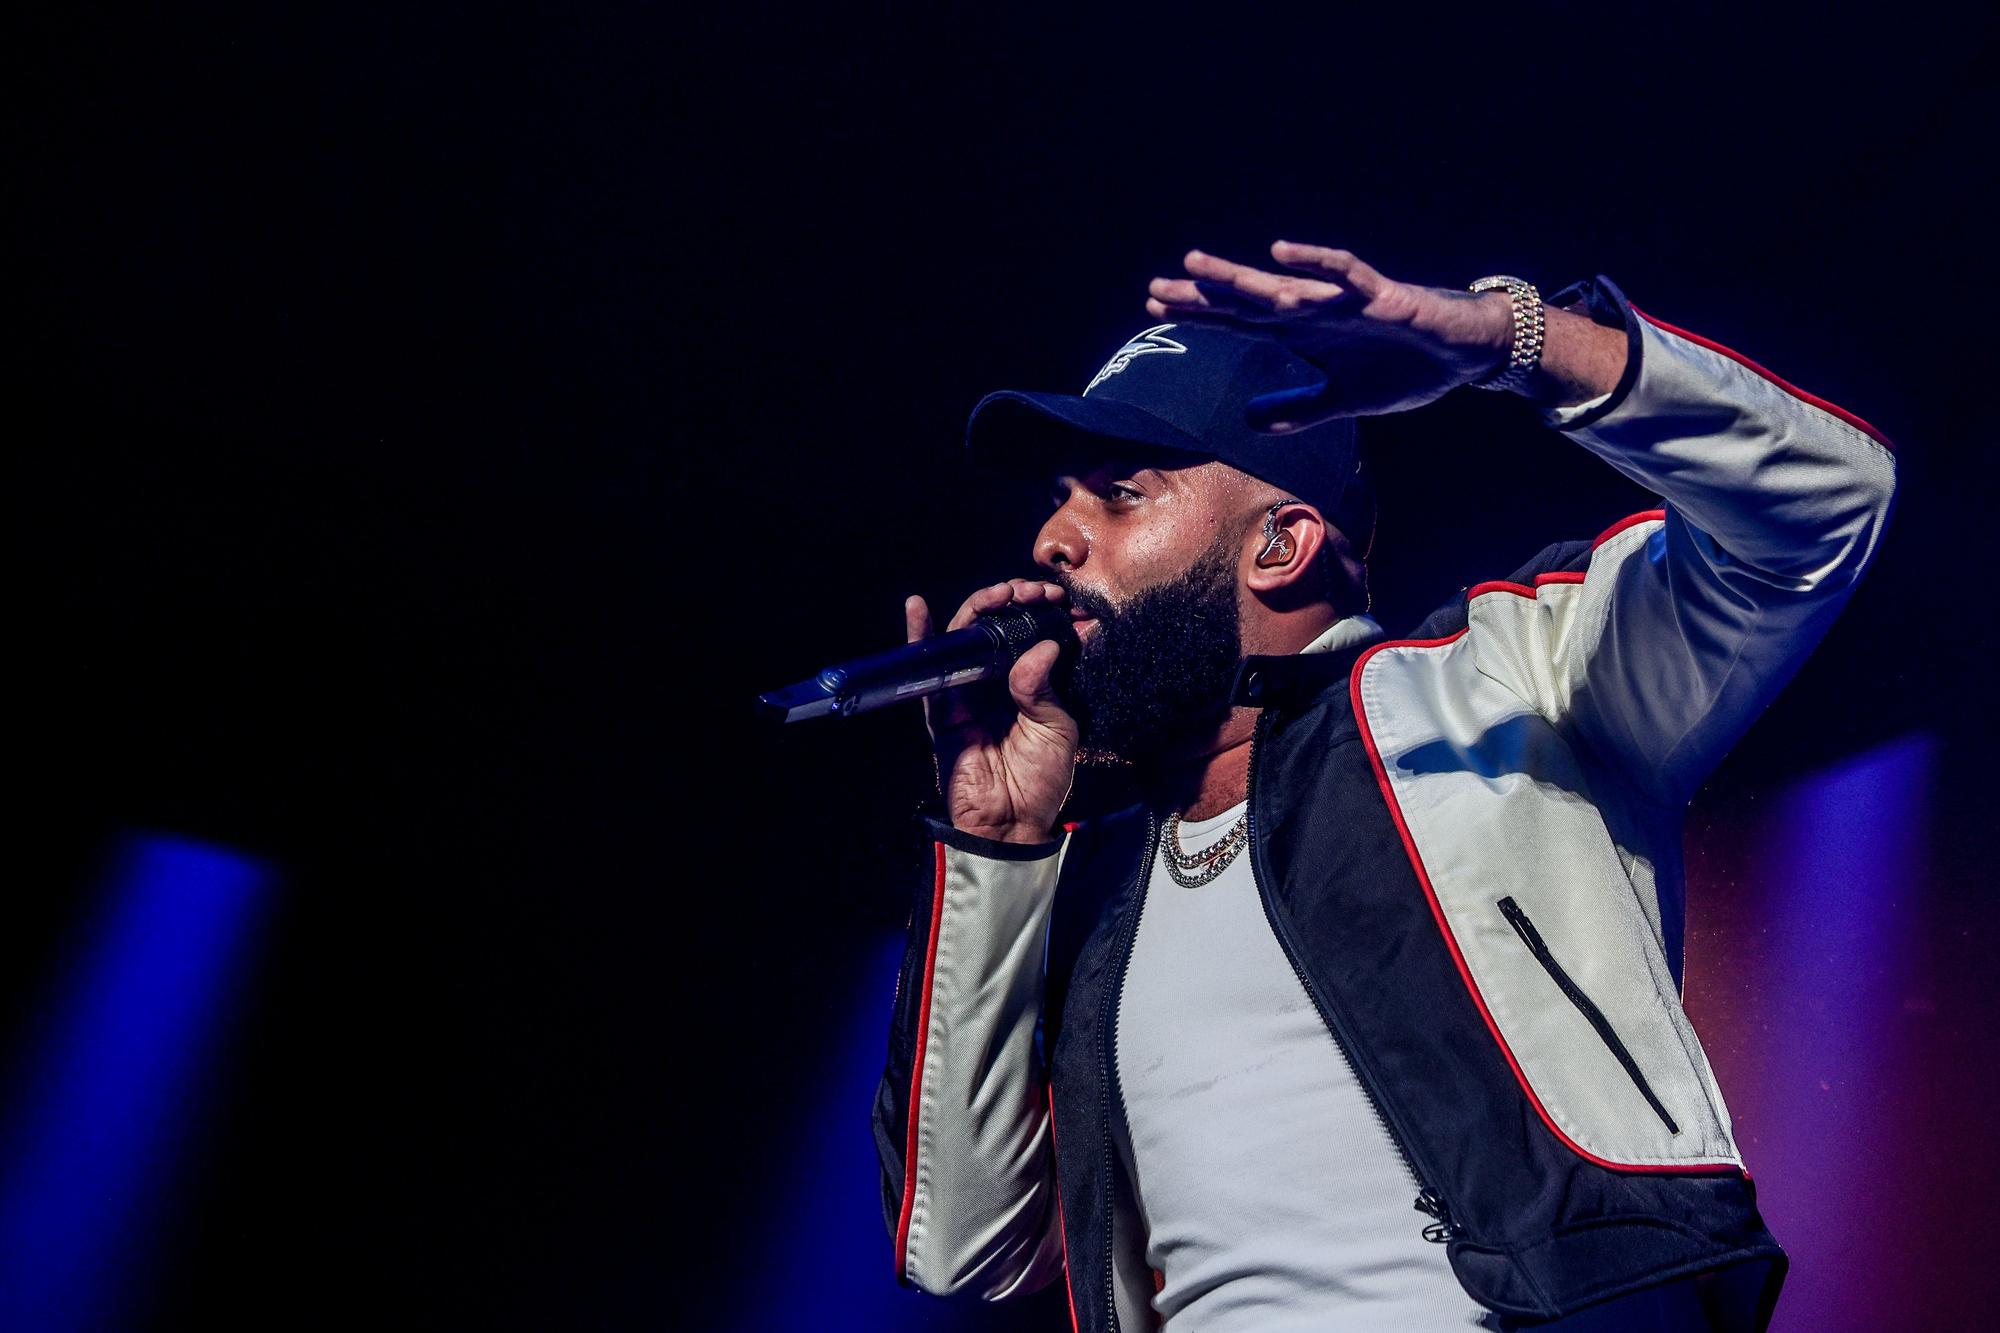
(1089, 601)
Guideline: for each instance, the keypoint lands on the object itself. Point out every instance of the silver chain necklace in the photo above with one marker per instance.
(1191, 870)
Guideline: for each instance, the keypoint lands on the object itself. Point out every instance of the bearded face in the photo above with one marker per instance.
(1157, 670)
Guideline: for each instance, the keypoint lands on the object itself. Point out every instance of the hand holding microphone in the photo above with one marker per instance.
(1004, 772)
(1005, 750)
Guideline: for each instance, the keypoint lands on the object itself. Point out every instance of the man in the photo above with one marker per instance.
(1368, 1016)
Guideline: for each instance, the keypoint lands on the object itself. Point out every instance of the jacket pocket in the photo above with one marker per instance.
(1595, 1016)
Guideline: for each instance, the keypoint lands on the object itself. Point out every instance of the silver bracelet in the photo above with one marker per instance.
(1526, 352)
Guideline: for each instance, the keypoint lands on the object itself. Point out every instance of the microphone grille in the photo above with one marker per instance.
(1022, 627)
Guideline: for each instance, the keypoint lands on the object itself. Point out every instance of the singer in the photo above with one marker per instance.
(1368, 1015)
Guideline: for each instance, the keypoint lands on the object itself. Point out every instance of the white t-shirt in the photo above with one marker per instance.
(1273, 1198)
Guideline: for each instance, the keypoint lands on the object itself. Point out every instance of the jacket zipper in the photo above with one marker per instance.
(1107, 1022)
(1536, 946)
(1444, 1227)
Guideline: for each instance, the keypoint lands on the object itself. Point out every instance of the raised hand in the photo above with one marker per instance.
(1005, 759)
(1385, 346)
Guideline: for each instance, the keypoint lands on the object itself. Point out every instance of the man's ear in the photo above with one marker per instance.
(1284, 548)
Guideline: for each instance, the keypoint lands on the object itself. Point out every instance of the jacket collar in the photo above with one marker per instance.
(1288, 677)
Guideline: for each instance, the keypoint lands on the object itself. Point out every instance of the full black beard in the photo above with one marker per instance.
(1157, 671)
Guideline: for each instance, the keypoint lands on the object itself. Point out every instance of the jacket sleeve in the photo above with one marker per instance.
(1678, 626)
(961, 1115)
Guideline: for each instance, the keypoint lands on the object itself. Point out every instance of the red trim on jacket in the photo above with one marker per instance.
(917, 1072)
(1444, 926)
(1630, 520)
(1499, 585)
(1794, 390)
(1564, 575)
(1062, 1230)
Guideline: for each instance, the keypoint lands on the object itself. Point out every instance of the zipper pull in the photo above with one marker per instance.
(1444, 1229)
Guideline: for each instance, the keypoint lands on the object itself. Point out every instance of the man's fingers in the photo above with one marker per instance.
(1197, 295)
(1323, 260)
(1202, 302)
(1240, 277)
(1340, 267)
(986, 599)
(1254, 290)
(1187, 314)
(995, 596)
(1032, 685)
(1177, 291)
(916, 619)
(1271, 290)
(1036, 590)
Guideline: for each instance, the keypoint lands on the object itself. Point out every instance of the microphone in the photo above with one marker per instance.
(988, 647)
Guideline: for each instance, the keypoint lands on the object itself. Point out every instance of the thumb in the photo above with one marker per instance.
(1032, 684)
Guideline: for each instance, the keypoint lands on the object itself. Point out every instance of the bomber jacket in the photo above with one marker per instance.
(1468, 844)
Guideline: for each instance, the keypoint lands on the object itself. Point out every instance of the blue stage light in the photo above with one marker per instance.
(107, 1101)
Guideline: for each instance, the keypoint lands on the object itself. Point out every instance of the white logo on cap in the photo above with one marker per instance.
(1149, 341)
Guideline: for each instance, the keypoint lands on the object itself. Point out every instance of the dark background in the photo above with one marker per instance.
(437, 422)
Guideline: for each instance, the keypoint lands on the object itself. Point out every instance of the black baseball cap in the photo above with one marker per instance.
(1191, 389)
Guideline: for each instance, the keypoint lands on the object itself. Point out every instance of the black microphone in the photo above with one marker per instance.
(988, 647)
